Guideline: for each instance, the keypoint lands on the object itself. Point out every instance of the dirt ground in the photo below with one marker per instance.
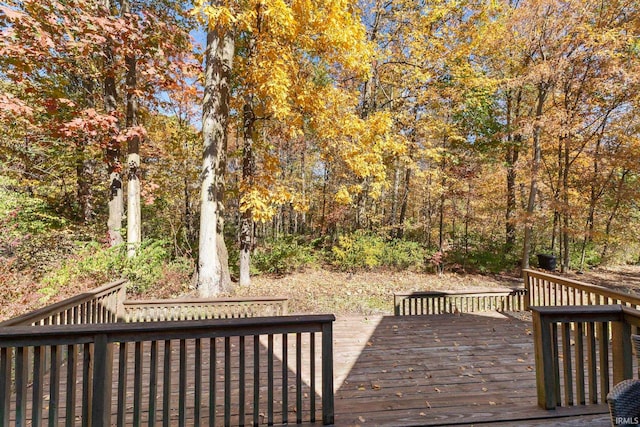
(368, 292)
(325, 291)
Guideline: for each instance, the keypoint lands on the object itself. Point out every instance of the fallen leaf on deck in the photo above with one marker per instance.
(399, 394)
(361, 419)
(492, 403)
(437, 389)
(484, 389)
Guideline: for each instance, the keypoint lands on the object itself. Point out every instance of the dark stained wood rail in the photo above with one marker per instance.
(550, 290)
(576, 361)
(226, 371)
(459, 301)
(101, 305)
(197, 309)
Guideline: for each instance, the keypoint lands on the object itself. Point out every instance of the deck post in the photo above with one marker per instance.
(527, 286)
(545, 377)
(327, 374)
(102, 373)
(621, 349)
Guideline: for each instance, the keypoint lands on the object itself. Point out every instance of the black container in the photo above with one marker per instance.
(547, 262)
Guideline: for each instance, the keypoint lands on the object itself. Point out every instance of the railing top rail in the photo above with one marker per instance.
(200, 301)
(589, 313)
(577, 309)
(606, 292)
(454, 292)
(34, 316)
(121, 332)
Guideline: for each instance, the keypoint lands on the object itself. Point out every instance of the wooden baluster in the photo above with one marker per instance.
(21, 375)
(556, 362)
(566, 358)
(212, 382)
(256, 380)
(72, 374)
(603, 344)
(285, 378)
(182, 398)
(137, 383)
(227, 381)
(270, 380)
(579, 350)
(153, 383)
(591, 362)
(197, 393)
(299, 378)
(54, 385)
(122, 384)
(5, 385)
(241, 380)
(166, 385)
(37, 386)
(312, 370)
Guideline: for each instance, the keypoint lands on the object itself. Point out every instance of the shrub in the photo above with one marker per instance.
(282, 255)
(403, 254)
(150, 267)
(357, 251)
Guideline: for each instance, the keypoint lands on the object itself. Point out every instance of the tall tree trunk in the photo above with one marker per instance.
(403, 206)
(535, 168)
(212, 267)
(512, 155)
(85, 167)
(134, 220)
(593, 200)
(394, 198)
(303, 217)
(114, 167)
(84, 174)
(614, 211)
(246, 220)
(510, 227)
(564, 265)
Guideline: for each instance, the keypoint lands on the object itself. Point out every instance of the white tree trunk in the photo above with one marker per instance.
(215, 113)
(134, 218)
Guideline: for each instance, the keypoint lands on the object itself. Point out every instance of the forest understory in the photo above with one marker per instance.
(324, 290)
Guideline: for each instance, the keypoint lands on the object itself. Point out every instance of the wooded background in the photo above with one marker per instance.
(443, 135)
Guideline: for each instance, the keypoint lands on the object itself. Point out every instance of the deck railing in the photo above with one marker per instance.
(550, 290)
(581, 351)
(101, 305)
(234, 371)
(466, 301)
(199, 309)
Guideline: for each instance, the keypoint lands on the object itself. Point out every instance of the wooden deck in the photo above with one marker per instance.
(469, 369)
(442, 370)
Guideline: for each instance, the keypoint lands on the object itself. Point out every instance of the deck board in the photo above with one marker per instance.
(441, 370)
